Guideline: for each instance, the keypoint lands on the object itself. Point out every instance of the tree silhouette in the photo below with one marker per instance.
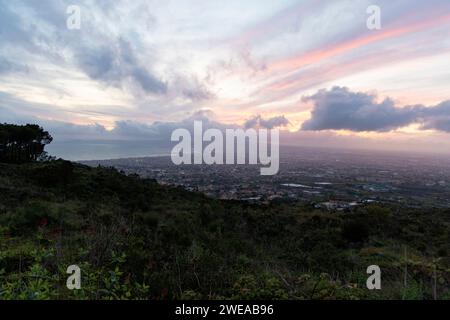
(22, 143)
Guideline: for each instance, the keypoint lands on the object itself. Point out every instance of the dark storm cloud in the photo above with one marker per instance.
(279, 121)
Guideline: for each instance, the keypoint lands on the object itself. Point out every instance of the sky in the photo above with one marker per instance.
(136, 70)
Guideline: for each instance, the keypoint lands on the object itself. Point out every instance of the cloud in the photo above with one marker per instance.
(7, 66)
(114, 63)
(258, 121)
(194, 89)
(97, 63)
(18, 111)
(130, 138)
(167, 66)
(112, 54)
(12, 26)
(147, 81)
(437, 118)
(341, 109)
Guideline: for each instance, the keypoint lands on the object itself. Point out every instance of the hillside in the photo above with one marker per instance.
(135, 239)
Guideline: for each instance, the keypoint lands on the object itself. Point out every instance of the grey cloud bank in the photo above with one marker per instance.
(341, 109)
(334, 109)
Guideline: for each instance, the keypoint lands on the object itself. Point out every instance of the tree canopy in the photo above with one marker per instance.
(22, 143)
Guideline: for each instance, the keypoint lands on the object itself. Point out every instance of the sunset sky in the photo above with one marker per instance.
(141, 68)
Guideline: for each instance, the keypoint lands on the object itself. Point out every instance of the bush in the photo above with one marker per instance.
(355, 231)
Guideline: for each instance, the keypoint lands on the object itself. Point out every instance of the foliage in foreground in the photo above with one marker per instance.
(135, 239)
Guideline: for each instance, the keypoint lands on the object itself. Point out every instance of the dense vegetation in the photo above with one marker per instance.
(19, 144)
(135, 239)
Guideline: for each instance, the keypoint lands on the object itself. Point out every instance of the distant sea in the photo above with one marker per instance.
(76, 150)
(81, 150)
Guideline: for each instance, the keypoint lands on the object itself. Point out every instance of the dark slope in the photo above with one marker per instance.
(135, 239)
